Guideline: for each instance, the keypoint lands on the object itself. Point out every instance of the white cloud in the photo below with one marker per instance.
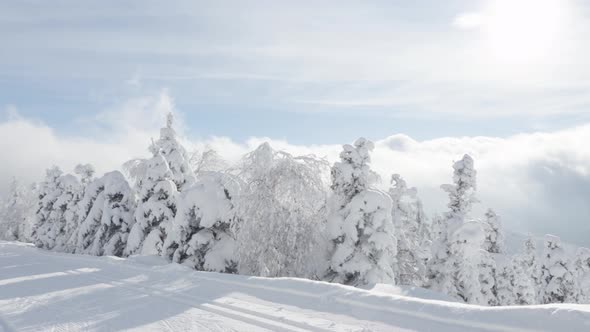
(539, 182)
(111, 138)
(468, 20)
(405, 58)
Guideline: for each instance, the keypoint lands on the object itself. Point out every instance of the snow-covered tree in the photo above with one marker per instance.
(359, 222)
(411, 232)
(528, 264)
(9, 222)
(58, 197)
(17, 212)
(471, 270)
(85, 172)
(505, 284)
(88, 208)
(437, 276)
(201, 235)
(175, 155)
(281, 209)
(461, 198)
(156, 208)
(582, 267)
(461, 192)
(557, 278)
(464, 261)
(523, 283)
(48, 194)
(67, 203)
(488, 277)
(107, 224)
(207, 161)
(494, 242)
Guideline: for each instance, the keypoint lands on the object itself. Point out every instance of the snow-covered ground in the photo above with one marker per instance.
(45, 291)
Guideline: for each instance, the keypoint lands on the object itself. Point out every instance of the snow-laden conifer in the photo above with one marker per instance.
(470, 267)
(558, 284)
(58, 197)
(107, 224)
(524, 288)
(17, 212)
(413, 237)
(85, 172)
(530, 264)
(461, 198)
(494, 242)
(175, 155)
(156, 208)
(582, 267)
(201, 235)
(359, 223)
(505, 284)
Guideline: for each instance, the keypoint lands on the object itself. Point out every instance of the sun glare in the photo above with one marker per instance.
(526, 31)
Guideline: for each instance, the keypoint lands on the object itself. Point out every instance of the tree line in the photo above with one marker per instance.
(277, 215)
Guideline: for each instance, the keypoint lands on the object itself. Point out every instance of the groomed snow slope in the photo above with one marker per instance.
(43, 291)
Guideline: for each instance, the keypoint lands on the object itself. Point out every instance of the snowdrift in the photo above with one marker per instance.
(41, 291)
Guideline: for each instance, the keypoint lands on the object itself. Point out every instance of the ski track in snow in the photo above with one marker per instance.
(45, 291)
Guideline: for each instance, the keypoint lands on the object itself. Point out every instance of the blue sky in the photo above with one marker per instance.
(300, 71)
(506, 81)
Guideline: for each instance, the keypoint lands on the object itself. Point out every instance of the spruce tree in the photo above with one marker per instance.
(494, 242)
(106, 227)
(359, 223)
(557, 279)
(582, 267)
(201, 235)
(461, 198)
(58, 197)
(411, 231)
(156, 208)
(175, 155)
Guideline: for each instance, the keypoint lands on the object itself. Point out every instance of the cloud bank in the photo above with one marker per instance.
(539, 182)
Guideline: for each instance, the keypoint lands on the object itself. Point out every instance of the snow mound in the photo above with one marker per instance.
(410, 291)
(41, 291)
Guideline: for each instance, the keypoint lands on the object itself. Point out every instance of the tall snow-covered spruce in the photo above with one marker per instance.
(558, 283)
(158, 181)
(494, 242)
(506, 289)
(468, 266)
(461, 198)
(527, 274)
(413, 236)
(175, 155)
(359, 223)
(155, 210)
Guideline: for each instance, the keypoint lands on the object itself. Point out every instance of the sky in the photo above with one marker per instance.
(428, 80)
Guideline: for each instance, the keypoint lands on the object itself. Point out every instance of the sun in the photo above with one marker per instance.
(526, 30)
(521, 31)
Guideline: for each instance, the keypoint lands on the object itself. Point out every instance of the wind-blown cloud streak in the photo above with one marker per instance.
(391, 59)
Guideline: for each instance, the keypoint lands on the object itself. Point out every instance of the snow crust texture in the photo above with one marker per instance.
(48, 291)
